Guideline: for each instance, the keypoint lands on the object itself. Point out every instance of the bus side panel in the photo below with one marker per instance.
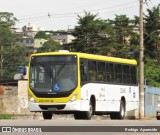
(103, 100)
(132, 98)
(84, 97)
(108, 96)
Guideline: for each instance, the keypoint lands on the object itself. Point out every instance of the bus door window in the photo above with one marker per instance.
(83, 71)
(32, 77)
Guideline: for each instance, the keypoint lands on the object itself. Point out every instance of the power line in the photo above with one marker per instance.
(75, 13)
(67, 16)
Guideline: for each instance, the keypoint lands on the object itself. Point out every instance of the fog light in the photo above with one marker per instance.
(32, 99)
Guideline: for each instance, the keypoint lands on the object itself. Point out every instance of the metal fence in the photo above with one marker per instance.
(152, 94)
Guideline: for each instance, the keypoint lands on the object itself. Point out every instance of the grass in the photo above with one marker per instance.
(5, 116)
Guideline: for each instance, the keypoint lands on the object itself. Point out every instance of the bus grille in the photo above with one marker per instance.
(57, 107)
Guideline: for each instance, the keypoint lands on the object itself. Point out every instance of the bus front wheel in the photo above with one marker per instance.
(89, 113)
(85, 115)
(47, 115)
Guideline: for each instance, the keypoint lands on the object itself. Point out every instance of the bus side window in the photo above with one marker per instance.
(110, 72)
(118, 73)
(101, 72)
(92, 71)
(126, 74)
(133, 75)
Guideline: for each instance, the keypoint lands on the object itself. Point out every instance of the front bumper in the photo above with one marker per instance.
(78, 105)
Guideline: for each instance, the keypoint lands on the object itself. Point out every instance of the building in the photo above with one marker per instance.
(28, 33)
(63, 38)
(38, 43)
(30, 30)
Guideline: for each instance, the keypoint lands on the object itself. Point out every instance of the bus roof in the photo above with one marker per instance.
(91, 56)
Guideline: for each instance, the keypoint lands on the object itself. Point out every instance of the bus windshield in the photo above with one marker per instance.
(53, 74)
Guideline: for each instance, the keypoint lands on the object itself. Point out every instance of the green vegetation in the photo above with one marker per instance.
(41, 35)
(5, 116)
(50, 46)
(11, 54)
(152, 46)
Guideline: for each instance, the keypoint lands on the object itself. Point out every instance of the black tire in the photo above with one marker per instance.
(88, 115)
(121, 114)
(158, 117)
(113, 115)
(85, 115)
(78, 116)
(47, 115)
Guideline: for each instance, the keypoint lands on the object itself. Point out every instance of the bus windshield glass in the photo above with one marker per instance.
(53, 74)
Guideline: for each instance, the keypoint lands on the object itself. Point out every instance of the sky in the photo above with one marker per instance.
(62, 14)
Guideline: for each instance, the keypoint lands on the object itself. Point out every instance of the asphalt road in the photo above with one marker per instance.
(82, 127)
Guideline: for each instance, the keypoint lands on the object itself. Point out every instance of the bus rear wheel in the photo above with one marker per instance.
(120, 114)
(47, 115)
(158, 117)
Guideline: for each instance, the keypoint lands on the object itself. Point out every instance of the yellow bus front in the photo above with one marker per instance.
(54, 83)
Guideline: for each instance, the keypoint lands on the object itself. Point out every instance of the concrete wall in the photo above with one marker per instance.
(14, 99)
(8, 100)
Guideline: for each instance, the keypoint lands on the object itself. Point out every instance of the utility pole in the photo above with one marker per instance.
(141, 62)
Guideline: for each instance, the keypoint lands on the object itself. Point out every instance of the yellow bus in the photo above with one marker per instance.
(82, 84)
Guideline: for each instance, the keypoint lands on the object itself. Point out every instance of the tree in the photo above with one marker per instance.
(123, 28)
(87, 34)
(134, 38)
(8, 39)
(106, 37)
(6, 36)
(7, 19)
(50, 46)
(152, 73)
(152, 32)
(16, 55)
(41, 34)
(152, 46)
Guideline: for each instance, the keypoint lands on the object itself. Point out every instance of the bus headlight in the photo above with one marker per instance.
(32, 100)
(74, 97)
